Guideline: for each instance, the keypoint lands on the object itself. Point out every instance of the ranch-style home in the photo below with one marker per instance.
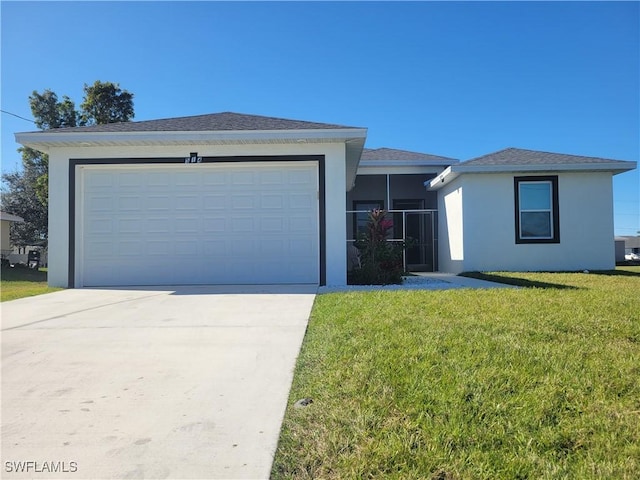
(229, 198)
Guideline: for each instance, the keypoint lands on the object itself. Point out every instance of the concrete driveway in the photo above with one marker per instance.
(184, 382)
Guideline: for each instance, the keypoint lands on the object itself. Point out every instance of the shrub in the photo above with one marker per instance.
(380, 259)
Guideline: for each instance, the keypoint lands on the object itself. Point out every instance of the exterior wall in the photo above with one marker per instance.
(586, 225)
(401, 187)
(335, 180)
(5, 242)
(368, 187)
(451, 228)
(619, 251)
(335, 200)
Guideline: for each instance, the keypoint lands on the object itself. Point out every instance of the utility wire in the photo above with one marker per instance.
(18, 116)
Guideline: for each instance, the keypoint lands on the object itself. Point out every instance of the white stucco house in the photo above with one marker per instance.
(6, 219)
(230, 198)
(519, 210)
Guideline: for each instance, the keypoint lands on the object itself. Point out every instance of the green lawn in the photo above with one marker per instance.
(537, 383)
(23, 282)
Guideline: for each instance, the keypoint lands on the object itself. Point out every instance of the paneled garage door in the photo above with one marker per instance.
(227, 223)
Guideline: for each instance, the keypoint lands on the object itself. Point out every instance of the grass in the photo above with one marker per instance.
(529, 383)
(23, 282)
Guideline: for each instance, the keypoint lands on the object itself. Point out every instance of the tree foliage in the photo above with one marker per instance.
(26, 192)
(48, 112)
(105, 102)
(22, 199)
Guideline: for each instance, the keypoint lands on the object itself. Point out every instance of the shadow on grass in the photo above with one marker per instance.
(519, 282)
(22, 274)
(617, 273)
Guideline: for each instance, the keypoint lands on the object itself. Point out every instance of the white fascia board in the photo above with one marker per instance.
(441, 180)
(617, 167)
(455, 170)
(45, 140)
(367, 169)
(403, 163)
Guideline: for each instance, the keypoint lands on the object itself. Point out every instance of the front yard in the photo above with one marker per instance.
(540, 382)
(21, 282)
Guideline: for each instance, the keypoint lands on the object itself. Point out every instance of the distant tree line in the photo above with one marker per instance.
(26, 192)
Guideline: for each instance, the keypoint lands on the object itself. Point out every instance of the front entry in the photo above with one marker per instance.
(418, 228)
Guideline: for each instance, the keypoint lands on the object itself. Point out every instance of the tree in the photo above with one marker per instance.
(22, 199)
(48, 112)
(105, 102)
(26, 192)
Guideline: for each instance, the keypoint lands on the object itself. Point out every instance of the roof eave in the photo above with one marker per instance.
(353, 152)
(9, 217)
(446, 177)
(610, 166)
(404, 163)
(44, 140)
(451, 173)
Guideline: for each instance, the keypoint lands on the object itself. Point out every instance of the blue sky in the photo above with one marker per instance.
(458, 79)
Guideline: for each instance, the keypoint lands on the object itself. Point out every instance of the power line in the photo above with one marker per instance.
(18, 116)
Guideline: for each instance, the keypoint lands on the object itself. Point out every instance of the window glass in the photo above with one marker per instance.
(535, 196)
(535, 224)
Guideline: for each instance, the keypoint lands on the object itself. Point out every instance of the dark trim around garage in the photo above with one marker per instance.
(73, 163)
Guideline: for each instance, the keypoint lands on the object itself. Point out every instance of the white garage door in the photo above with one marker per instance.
(240, 223)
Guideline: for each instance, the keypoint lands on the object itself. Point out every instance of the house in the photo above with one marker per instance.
(6, 219)
(620, 250)
(629, 245)
(243, 199)
(521, 210)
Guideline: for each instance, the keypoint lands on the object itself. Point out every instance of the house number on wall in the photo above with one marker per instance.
(193, 158)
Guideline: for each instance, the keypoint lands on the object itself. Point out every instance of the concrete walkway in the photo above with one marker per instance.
(422, 281)
(457, 281)
(186, 382)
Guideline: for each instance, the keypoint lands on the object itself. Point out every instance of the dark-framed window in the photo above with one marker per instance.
(536, 209)
(361, 219)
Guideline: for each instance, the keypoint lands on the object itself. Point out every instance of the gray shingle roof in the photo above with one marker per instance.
(10, 217)
(214, 122)
(519, 156)
(391, 154)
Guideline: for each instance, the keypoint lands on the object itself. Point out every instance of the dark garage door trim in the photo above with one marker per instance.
(73, 163)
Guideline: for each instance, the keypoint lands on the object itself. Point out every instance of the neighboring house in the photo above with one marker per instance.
(6, 219)
(631, 244)
(242, 199)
